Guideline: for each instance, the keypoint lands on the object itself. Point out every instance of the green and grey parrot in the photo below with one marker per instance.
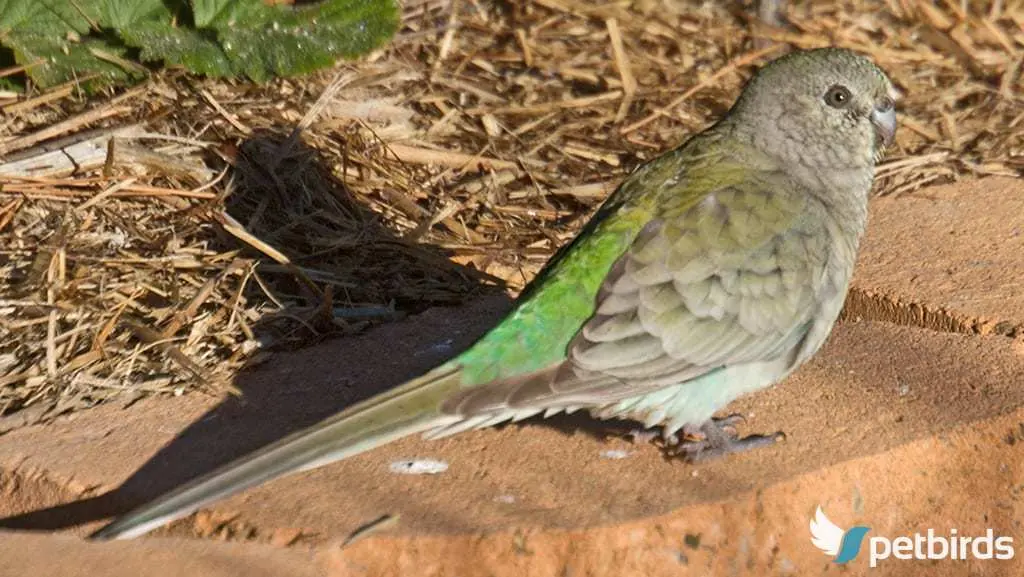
(712, 271)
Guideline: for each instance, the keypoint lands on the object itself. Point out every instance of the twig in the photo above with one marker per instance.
(64, 127)
(417, 155)
(231, 118)
(622, 64)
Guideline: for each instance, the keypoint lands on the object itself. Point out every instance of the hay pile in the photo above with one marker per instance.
(203, 223)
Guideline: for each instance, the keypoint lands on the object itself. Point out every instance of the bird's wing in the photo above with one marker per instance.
(729, 276)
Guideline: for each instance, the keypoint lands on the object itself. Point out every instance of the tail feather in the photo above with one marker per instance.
(408, 409)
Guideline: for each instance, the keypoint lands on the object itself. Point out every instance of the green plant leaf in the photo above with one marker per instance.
(66, 39)
(53, 38)
(204, 12)
(123, 14)
(50, 17)
(284, 41)
(196, 50)
(58, 60)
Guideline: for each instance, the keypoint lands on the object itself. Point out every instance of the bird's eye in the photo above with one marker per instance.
(838, 96)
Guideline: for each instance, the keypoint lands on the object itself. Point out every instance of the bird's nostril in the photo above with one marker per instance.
(885, 105)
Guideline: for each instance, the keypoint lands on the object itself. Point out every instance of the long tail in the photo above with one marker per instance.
(408, 409)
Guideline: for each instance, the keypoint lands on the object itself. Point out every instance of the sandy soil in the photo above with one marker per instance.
(910, 418)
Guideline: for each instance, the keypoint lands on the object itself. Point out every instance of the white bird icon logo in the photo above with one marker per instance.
(825, 534)
(842, 546)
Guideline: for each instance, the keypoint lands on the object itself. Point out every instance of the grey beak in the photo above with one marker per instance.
(884, 119)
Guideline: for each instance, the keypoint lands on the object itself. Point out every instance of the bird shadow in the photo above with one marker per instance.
(296, 390)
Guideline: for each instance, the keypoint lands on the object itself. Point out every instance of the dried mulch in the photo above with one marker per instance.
(203, 224)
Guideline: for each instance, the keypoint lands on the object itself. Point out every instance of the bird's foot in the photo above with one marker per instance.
(642, 436)
(718, 438)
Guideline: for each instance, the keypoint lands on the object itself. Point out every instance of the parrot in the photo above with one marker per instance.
(712, 271)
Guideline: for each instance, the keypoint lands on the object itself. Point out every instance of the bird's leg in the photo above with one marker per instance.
(718, 438)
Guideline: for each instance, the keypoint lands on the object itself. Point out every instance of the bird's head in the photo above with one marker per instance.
(822, 108)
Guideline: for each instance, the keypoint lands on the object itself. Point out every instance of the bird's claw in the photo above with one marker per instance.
(718, 438)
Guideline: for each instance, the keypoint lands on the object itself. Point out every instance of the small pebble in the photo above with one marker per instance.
(615, 454)
(418, 467)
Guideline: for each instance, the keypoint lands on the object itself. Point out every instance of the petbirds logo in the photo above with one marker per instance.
(844, 546)
(827, 536)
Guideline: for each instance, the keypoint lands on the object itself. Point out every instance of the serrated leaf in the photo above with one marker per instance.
(14, 12)
(60, 60)
(68, 39)
(197, 50)
(52, 35)
(47, 17)
(353, 27)
(294, 41)
(123, 14)
(205, 12)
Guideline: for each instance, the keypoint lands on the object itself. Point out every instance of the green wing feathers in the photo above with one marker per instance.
(561, 298)
(731, 280)
(553, 308)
